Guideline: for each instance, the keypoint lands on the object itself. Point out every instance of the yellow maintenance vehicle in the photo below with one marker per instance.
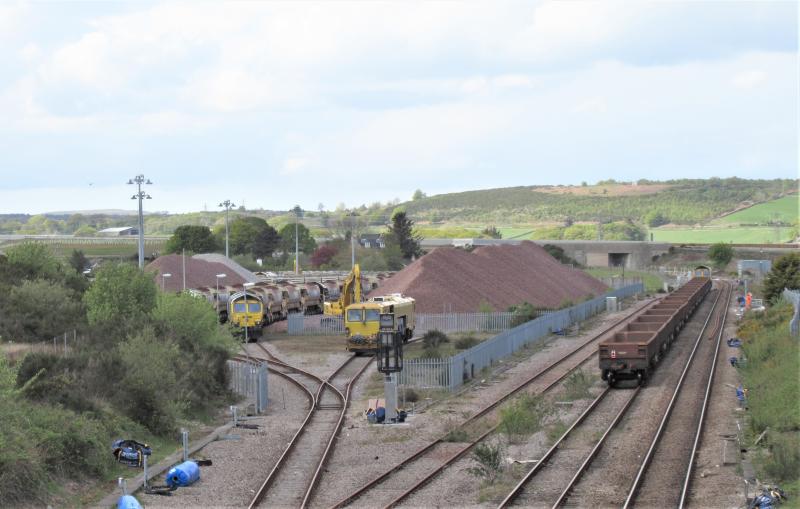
(351, 292)
(362, 321)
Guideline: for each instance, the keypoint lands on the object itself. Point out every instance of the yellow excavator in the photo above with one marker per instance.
(351, 293)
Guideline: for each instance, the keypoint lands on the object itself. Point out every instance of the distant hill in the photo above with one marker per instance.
(675, 201)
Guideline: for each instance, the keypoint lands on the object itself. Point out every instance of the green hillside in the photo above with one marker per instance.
(783, 210)
(678, 202)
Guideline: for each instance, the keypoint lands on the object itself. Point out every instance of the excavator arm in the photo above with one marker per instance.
(351, 292)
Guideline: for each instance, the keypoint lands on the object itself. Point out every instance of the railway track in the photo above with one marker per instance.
(292, 480)
(670, 457)
(416, 470)
(621, 448)
(573, 447)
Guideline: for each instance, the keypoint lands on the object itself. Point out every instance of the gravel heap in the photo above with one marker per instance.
(454, 280)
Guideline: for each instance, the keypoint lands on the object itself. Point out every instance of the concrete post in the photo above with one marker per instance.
(390, 396)
(185, 441)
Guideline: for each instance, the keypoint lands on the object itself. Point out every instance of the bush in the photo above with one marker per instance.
(433, 338)
(524, 416)
(410, 395)
(456, 435)
(721, 254)
(149, 392)
(489, 458)
(466, 342)
(524, 312)
(784, 462)
(577, 385)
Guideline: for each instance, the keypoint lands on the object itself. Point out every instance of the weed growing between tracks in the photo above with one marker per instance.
(577, 385)
(524, 417)
(770, 374)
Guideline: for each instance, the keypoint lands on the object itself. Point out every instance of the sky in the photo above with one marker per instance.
(272, 104)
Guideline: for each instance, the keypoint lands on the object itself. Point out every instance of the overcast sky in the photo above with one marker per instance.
(273, 104)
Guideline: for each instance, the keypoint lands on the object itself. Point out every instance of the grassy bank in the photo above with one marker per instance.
(771, 377)
(652, 283)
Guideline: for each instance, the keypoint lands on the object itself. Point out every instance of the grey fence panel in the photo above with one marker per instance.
(427, 373)
(468, 364)
(793, 296)
(250, 381)
(464, 322)
(300, 325)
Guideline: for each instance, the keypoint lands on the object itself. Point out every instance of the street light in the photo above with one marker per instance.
(163, 277)
(352, 239)
(218, 276)
(298, 213)
(246, 311)
(138, 180)
(228, 205)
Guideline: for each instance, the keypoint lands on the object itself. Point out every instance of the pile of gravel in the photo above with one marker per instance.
(455, 280)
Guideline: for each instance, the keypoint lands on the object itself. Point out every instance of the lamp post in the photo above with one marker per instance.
(163, 277)
(298, 213)
(246, 311)
(228, 205)
(352, 239)
(138, 180)
(218, 276)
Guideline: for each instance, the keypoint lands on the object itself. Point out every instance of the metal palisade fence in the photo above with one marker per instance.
(450, 373)
(250, 381)
(793, 296)
(299, 325)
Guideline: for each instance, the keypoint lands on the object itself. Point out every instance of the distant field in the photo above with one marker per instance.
(64, 248)
(515, 233)
(742, 235)
(783, 209)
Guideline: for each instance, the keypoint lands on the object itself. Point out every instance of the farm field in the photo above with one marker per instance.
(737, 235)
(784, 209)
(101, 247)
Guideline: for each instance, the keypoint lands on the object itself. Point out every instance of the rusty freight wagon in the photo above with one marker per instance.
(633, 350)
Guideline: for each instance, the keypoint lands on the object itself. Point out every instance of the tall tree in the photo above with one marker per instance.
(120, 294)
(720, 253)
(306, 242)
(785, 273)
(401, 233)
(197, 239)
(252, 235)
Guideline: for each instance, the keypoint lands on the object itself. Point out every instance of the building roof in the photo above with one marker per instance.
(230, 265)
(117, 229)
(199, 273)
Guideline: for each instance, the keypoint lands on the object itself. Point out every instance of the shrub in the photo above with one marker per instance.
(489, 458)
(784, 462)
(524, 312)
(466, 342)
(456, 435)
(720, 253)
(524, 416)
(410, 395)
(433, 338)
(577, 385)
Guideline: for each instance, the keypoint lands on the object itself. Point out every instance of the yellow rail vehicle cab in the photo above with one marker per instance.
(246, 310)
(702, 271)
(362, 320)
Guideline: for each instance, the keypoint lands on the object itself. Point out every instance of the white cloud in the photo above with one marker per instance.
(293, 165)
(749, 79)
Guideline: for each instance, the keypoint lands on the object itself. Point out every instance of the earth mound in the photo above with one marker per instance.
(450, 279)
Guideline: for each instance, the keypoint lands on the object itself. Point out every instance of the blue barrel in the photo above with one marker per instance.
(128, 502)
(183, 475)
